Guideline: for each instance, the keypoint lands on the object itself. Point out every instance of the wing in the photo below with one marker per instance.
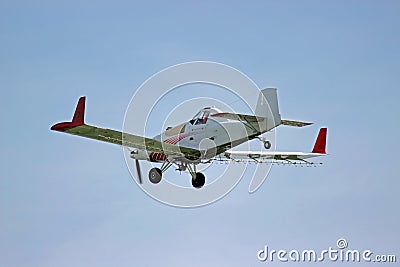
(319, 149)
(78, 127)
(289, 156)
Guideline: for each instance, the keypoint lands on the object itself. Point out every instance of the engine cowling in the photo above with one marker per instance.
(139, 154)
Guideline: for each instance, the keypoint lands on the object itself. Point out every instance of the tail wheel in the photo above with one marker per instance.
(267, 144)
(155, 175)
(198, 180)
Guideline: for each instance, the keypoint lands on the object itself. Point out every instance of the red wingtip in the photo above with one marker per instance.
(77, 120)
(320, 143)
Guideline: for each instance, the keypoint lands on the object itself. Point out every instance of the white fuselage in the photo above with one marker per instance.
(215, 132)
(207, 131)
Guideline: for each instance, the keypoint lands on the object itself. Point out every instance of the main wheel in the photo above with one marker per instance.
(155, 175)
(198, 180)
(267, 144)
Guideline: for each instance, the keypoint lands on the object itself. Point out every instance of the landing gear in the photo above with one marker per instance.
(155, 175)
(198, 180)
(267, 144)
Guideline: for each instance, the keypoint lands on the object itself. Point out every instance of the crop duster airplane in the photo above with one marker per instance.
(180, 145)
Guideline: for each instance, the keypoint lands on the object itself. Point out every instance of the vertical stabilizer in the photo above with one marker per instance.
(267, 107)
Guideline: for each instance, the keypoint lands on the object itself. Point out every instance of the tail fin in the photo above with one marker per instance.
(267, 107)
(79, 115)
(320, 143)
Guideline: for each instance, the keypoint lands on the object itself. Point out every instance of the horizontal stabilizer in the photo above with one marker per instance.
(295, 123)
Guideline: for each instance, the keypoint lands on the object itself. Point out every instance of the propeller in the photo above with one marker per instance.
(139, 173)
(137, 164)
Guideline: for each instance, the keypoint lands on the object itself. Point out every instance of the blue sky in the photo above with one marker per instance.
(67, 201)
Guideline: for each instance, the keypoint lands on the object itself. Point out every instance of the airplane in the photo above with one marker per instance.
(180, 145)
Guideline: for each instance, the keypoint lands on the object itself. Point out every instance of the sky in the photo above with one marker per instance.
(69, 201)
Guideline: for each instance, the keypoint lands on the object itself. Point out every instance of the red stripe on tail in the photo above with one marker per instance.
(320, 143)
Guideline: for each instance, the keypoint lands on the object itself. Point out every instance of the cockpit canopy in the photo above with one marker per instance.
(202, 116)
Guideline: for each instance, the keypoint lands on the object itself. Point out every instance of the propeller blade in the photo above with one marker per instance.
(139, 173)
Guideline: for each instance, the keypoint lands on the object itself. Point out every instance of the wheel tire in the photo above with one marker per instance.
(199, 180)
(267, 144)
(155, 175)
